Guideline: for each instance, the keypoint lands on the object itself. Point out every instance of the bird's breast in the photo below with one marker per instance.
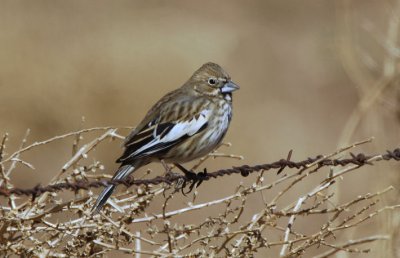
(207, 140)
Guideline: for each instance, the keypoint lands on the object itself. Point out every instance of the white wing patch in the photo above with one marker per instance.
(181, 129)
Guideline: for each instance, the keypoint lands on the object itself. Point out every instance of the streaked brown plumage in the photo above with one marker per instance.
(185, 124)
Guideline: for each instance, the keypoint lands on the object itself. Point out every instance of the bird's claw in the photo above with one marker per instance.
(195, 178)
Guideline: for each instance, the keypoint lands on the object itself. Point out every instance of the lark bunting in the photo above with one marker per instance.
(185, 124)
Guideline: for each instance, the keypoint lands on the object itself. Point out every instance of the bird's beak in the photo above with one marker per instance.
(229, 87)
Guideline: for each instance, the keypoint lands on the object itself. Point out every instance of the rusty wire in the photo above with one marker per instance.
(359, 160)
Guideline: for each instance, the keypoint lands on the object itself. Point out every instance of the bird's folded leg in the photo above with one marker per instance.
(166, 167)
(196, 179)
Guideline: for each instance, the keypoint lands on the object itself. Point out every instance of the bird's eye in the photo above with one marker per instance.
(212, 81)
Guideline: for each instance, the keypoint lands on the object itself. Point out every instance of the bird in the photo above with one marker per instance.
(185, 124)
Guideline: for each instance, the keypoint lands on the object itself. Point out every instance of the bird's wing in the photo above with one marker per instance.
(159, 136)
(152, 117)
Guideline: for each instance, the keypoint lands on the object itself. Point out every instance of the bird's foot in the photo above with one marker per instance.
(195, 178)
(172, 174)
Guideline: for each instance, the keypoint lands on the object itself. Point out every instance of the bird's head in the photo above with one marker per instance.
(211, 80)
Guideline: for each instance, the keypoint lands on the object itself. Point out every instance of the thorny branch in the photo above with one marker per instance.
(33, 226)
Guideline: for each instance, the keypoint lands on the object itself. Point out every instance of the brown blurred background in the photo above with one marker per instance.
(303, 68)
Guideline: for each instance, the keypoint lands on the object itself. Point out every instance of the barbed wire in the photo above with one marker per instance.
(195, 179)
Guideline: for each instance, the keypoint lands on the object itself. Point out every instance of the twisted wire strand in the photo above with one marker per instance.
(358, 159)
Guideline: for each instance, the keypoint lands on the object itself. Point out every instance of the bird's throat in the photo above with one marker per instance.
(228, 96)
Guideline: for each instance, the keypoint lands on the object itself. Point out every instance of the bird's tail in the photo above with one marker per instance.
(121, 173)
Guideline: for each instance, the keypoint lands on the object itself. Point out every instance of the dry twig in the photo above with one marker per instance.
(27, 226)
